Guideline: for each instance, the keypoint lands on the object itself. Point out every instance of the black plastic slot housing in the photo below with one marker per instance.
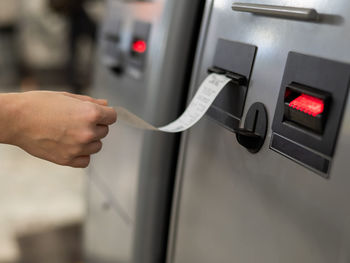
(237, 78)
(141, 32)
(310, 140)
(235, 60)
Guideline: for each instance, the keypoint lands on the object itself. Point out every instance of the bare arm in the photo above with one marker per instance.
(59, 127)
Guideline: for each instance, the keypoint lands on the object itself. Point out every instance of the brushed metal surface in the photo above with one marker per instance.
(233, 206)
(136, 168)
(107, 236)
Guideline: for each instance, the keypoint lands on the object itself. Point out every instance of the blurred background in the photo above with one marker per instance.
(44, 45)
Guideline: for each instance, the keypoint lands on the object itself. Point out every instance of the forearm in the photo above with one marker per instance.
(10, 108)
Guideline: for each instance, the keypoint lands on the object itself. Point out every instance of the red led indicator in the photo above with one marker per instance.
(139, 46)
(308, 104)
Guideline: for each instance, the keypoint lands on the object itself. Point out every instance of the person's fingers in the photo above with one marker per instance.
(87, 98)
(102, 102)
(107, 116)
(91, 148)
(101, 131)
(80, 162)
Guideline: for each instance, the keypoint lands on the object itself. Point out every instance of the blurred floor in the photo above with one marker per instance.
(35, 195)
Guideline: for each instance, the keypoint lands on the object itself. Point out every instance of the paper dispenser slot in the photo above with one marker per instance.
(236, 78)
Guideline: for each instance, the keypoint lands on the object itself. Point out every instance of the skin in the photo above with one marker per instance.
(59, 127)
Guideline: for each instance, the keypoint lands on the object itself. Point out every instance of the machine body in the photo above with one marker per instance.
(146, 49)
(287, 202)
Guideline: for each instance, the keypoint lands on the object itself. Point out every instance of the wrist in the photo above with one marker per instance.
(10, 115)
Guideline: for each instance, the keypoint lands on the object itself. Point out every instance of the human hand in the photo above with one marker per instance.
(60, 127)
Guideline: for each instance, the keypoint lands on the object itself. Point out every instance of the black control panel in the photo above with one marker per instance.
(112, 53)
(235, 60)
(309, 110)
(139, 45)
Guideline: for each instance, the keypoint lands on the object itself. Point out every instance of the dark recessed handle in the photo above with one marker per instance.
(308, 14)
(253, 135)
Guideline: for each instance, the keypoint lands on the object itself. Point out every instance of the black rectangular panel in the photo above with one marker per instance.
(237, 58)
(322, 74)
(112, 56)
(326, 79)
(141, 33)
(301, 155)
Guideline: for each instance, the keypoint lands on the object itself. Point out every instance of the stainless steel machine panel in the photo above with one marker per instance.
(111, 224)
(145, 61)
(235, 206)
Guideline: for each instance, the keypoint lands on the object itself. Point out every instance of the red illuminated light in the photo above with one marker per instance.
(308, 104)
(139, 46)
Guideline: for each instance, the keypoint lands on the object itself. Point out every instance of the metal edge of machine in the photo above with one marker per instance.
(182, 151)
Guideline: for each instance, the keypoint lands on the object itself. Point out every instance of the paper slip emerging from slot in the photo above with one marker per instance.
(201, 102)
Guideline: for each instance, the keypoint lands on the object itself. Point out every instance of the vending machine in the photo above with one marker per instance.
(265, 176)
(145, 57)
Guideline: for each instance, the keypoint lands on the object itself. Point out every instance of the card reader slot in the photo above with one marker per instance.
(306, 107)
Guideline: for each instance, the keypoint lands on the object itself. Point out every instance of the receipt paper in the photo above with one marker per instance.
(201, 102)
